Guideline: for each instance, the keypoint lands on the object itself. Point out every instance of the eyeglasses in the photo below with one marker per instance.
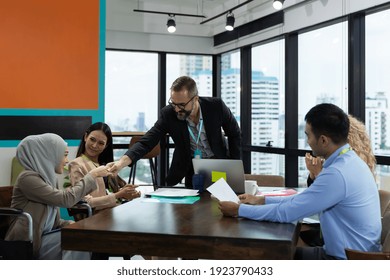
(181, 106)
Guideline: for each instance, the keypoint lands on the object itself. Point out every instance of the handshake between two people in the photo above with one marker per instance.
(128, 191)
(230, 209)
(111, 169)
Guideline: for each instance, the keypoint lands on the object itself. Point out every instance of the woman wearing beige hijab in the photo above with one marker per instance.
(36, 192)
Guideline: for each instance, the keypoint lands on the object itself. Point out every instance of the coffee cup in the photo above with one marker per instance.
(250, 187)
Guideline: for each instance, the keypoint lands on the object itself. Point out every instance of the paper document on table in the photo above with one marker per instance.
(283, 192)
(174, 192)
(222, 191)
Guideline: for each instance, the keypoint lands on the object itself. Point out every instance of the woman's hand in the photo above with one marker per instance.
(101, 171)
(128, 192)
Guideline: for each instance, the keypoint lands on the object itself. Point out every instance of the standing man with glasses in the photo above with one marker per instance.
(195, 125)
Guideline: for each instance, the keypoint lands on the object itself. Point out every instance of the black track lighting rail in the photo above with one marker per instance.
(224, 13)
(168, 13)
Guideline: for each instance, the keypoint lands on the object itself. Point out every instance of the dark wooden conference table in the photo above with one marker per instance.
(193, 231)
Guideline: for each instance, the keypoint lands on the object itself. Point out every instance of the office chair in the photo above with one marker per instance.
(385, 236)
(266, 180)
(151, 156)
(16, 169)
(80, 210)
(13, 250)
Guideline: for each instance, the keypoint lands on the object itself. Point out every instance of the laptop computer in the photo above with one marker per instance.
(233, 168)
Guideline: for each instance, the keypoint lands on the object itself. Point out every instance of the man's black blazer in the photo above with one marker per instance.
(216, 115)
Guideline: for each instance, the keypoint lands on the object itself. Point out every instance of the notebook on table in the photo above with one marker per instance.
(232, 170)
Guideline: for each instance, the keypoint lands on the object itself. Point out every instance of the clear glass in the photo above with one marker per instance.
(131, 90)
(377, 81)
(230, 82)
(267, 164)
(322, 71)
(268, 115)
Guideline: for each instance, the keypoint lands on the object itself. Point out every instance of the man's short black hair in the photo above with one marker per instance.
(329, 120)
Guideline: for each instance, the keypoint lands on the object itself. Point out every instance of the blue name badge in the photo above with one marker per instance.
(197, 154)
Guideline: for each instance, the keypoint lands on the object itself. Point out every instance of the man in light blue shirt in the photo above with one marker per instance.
(344, 194)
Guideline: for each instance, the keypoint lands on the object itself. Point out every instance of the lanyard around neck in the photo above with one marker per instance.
(344, 151)
(199, 132)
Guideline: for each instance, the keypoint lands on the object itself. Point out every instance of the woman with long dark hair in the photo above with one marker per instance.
(95, 150)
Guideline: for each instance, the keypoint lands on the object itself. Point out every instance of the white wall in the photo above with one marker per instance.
(158, 42)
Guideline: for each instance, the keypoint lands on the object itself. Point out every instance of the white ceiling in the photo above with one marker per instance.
(121, 17)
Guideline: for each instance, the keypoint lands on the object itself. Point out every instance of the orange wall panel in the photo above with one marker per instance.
(49, 54)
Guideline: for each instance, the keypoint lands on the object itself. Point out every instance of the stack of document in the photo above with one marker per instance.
(173, 195)
(174, 192)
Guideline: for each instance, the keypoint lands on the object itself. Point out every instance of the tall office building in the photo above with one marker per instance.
(230, 90)
(226, 62)
(190, 65)
(265, 115)
(377, 108)
(378, 125)
(199, 68)
(204, 82)
(140, 123)
(265, 122)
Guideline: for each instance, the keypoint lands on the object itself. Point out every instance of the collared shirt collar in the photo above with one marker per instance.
(191, 123)
(335, 154)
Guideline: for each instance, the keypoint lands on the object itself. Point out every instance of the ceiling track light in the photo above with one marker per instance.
(278, 4)
(230, 10)
(229, 21)
(171, 24)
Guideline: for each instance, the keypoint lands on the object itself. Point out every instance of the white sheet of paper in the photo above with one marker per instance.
(174, 192)
(222, 191)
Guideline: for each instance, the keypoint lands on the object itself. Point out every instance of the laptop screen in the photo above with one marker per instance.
(213, 169)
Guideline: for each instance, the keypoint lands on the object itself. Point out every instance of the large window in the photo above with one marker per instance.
(322, 75)
(378, 89)
(268, 105)
(131, 99)
(268, 164)
(131, 90)
(230, 82)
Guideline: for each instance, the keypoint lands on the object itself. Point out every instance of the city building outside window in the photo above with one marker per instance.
(322, 76)
(378, 89)
(131, 100)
